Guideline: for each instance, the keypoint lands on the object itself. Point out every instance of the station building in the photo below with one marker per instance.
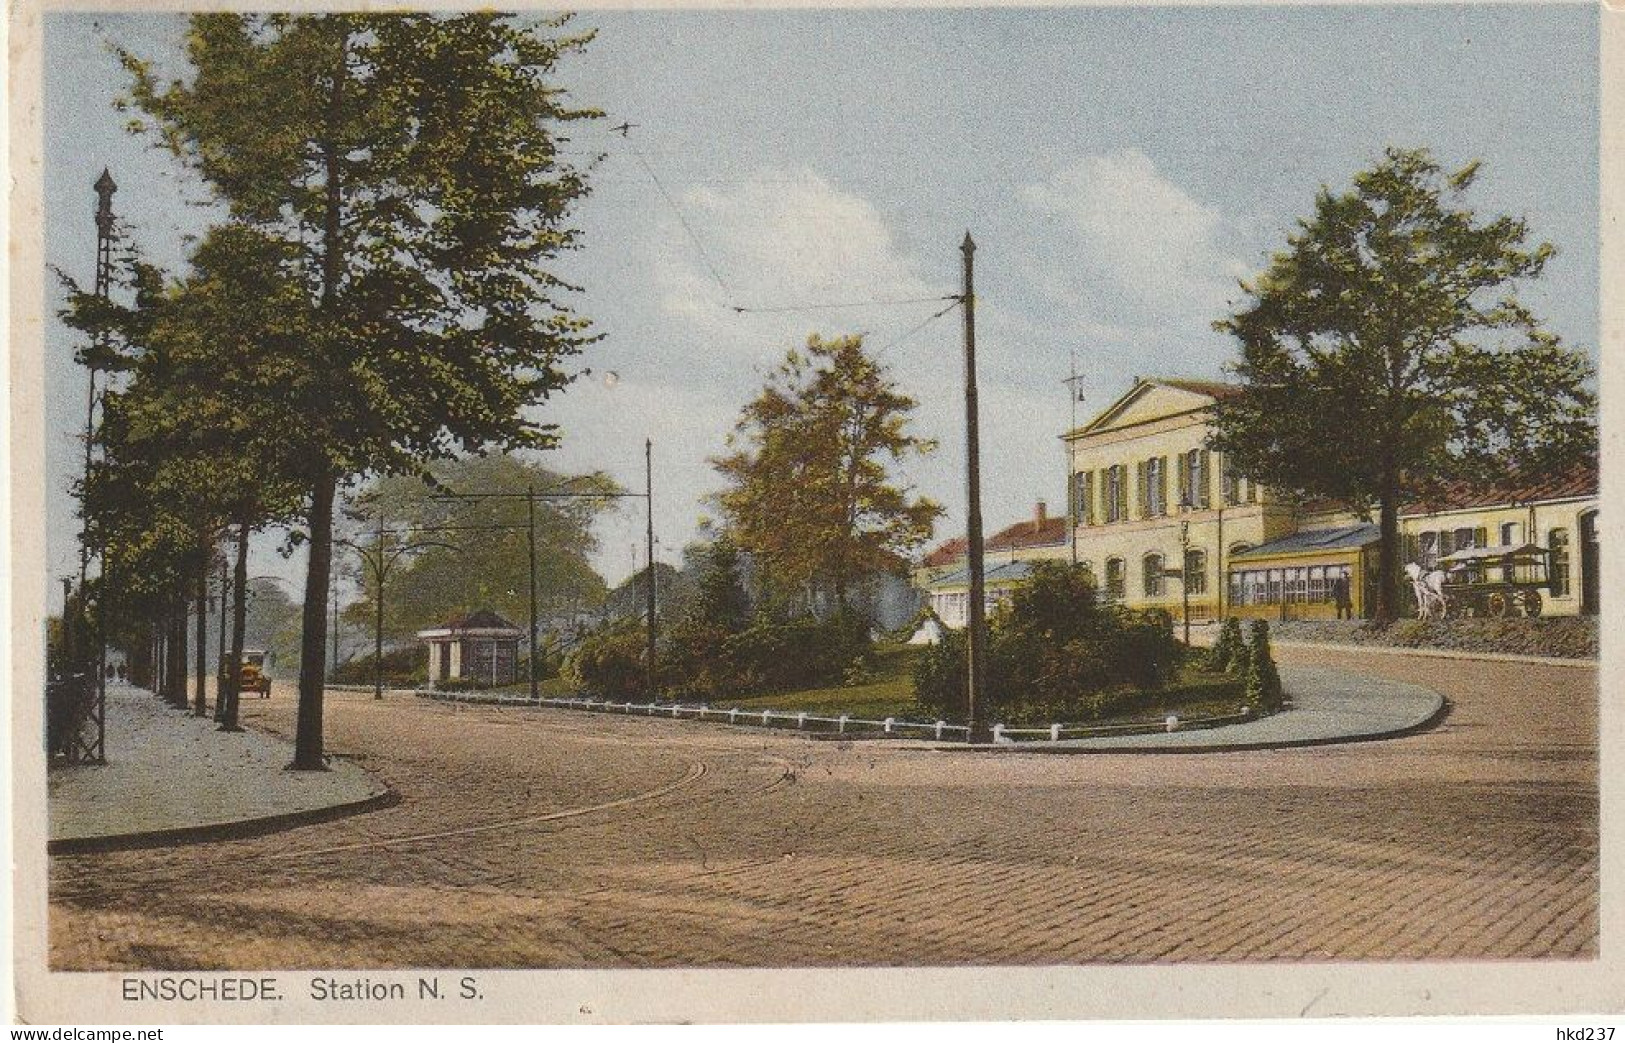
(1155, 514)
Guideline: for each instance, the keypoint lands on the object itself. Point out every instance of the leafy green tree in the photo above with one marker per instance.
(410, 162)
(719, 598)
(1385, 351)
(475, 552)
(811, 492)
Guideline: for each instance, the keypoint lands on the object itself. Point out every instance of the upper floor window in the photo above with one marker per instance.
(1083, 498)
(1153, 496)
(1230, 482)
(1116, 493)
(1194, 480)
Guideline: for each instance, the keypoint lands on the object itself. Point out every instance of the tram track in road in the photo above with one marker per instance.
(115, 880)
(201, 862)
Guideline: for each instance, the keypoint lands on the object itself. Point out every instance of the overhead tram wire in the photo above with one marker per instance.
(912, 331)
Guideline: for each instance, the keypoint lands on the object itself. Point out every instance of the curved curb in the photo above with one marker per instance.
(1432, 721)
(240, 829)
(1427, 652)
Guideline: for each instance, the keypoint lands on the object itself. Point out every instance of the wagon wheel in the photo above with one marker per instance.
(1497, 604)
(1531, 603)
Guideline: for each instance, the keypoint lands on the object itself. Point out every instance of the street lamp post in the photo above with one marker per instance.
(1185, 575)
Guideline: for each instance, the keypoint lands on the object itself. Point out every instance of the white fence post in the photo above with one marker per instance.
(939, 729)
(842, 724)
(1171, 723)
(733, 715)
(801, 719)
(998, 733)
(1054, 732)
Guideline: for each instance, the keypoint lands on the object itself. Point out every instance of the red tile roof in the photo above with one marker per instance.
(1465, 496)
(945, 553)
(1579, 482)
(1021, 535)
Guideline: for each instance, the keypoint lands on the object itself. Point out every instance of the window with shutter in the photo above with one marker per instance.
(1142, 488)
(1204, 496)
(1184, 480)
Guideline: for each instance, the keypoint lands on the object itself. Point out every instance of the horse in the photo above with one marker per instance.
(1429, 589)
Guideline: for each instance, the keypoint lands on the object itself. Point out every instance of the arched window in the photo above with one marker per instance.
(1154, 583)
(1196, 571)
(1116, 579)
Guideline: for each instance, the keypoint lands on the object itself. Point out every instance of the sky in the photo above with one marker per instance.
(1119, 168)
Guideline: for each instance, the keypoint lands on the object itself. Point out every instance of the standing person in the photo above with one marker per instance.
(1340, 591)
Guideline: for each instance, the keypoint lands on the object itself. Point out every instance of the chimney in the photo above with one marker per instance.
(1040, 515)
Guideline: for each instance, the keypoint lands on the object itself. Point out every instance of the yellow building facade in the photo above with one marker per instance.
(1158, 517)
(1157, 514)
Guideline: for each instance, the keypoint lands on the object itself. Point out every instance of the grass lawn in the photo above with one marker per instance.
(890, 694)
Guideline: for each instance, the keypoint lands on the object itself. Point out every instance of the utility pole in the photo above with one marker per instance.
(649, 503)
(976, 624)
(1076, 508)
(530, 518)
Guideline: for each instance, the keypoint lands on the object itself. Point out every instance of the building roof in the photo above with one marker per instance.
(946, 553)
(1312, 541)
(1210, 388)
(1007, 572)
(479, 619)
(1577, 483)
(1034, 532)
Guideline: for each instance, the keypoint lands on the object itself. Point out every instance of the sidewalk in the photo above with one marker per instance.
(1327, 706)
(171, 777)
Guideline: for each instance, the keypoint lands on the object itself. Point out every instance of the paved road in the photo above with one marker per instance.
(556, 839)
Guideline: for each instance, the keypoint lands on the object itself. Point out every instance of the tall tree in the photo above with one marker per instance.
(812, 492)
(411, 163)
(1385, 351)
(476, 552)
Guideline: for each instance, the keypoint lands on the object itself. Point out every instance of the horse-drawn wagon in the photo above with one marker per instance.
(1493, 581)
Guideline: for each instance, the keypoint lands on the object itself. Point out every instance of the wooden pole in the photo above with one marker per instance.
(976, 623)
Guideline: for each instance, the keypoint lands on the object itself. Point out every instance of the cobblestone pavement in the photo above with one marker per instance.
(557, 839)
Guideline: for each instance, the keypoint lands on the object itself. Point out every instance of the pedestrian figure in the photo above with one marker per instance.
(1340, 592)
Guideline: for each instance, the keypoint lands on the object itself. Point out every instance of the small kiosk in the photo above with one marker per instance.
(480, 647)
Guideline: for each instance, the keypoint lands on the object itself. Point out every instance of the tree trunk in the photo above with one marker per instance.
(176, 674)
(200, 655)
(231, 681)
(313, 643)
(1388, 550)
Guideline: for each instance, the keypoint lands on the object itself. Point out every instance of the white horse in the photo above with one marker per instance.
(1429, 589)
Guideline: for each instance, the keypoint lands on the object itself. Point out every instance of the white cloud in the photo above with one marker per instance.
(1161, 248)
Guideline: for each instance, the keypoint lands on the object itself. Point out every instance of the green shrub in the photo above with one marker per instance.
(1263, 680)
(1227, 656)
(801, 653)
(610, 664)
(1053, 651)
(402, 666)
(462, 684)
